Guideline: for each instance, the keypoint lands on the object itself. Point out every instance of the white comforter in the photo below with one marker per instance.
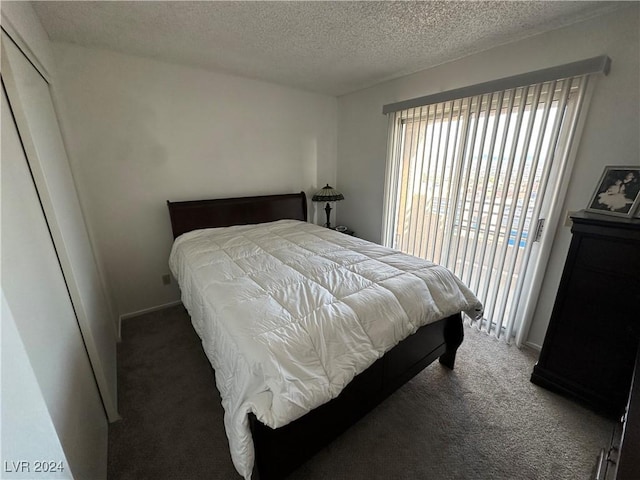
(289, 312)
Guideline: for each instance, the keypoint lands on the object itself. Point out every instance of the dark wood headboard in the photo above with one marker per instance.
(224, 212)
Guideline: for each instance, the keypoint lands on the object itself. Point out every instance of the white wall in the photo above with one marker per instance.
(611, 134)
(140, 132)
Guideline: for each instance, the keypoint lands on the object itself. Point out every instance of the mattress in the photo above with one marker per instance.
(289, 313)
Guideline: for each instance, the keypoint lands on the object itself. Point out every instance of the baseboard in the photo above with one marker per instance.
(533, 346)
(137, 313)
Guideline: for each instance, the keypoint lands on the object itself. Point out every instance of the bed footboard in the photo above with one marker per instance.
(280, 451)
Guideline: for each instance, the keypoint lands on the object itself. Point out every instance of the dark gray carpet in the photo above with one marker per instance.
(484, 420)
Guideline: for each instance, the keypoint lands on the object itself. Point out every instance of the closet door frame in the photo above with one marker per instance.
(53, 410)
(101, 349)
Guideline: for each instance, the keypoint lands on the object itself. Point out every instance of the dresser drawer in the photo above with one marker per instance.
(617, 257)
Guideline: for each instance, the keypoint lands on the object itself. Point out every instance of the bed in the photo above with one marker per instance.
(307, 329)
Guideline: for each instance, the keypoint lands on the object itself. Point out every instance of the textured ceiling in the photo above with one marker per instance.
(328, 47)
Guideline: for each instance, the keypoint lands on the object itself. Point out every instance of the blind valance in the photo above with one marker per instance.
(601, 64)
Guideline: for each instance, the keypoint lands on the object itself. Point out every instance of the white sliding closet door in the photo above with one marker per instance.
(30, 99)
(37, 296)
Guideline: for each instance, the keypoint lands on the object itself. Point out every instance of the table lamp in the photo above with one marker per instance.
(327, 194)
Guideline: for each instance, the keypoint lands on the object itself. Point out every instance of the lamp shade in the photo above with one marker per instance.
(327, 194)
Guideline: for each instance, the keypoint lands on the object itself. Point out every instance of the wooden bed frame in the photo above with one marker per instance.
(280, 451)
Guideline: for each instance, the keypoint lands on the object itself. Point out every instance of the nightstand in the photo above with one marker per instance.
(347, 230)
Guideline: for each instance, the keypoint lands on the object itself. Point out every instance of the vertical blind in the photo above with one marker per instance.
(466, 180)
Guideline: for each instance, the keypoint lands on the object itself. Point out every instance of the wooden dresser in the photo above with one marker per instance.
(593, 335)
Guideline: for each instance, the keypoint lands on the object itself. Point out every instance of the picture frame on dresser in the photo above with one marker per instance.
(617, 192)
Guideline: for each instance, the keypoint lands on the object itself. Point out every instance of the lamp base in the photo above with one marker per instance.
(327, 209)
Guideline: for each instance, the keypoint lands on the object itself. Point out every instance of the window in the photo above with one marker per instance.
(469, 182)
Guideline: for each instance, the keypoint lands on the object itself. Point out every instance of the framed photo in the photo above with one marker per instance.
(618, 192)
